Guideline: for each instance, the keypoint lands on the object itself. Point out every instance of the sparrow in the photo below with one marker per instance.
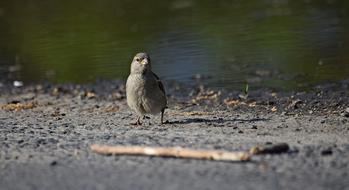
(145, 92)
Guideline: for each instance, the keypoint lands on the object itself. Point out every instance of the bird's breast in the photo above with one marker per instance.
(143, 92)
(135, 85)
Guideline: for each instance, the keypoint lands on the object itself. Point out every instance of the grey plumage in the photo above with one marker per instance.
(144, 91)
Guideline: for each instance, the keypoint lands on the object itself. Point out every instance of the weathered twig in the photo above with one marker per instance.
(177, 152)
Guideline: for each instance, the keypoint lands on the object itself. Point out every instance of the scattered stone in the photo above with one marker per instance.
(294, 104)
(90, 95)
(243, 96)
(326, 152)
(346, 113)
(53, 163)
(17, 83)
(270, 149)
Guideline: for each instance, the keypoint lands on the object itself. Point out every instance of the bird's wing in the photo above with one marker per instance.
(161, 86)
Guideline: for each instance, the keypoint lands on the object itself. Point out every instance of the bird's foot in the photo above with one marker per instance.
(137, 122)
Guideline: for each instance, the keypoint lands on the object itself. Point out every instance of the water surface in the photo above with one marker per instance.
(281, 44)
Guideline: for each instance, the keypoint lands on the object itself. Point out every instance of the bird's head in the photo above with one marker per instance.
(140, 64)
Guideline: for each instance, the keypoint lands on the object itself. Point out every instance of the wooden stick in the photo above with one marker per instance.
(176, 152)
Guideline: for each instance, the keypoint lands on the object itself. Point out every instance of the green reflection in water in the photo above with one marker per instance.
(281, 44)
(77, 40)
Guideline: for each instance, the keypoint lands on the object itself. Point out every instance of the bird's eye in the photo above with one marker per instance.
(137, 59)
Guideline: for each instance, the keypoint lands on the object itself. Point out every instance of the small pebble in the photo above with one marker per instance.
(17, 83)
(346, 113)
(326, 152)
(53, 163)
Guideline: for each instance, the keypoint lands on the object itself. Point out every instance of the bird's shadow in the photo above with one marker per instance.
(219, 120)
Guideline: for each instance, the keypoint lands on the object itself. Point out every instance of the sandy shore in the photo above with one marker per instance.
(46, 131)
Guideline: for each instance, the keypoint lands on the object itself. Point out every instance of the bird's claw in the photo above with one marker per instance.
(137, 122)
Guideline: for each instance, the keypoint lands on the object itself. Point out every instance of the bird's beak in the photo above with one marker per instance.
(144, 62)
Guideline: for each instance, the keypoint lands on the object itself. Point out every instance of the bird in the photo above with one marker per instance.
(145, 93)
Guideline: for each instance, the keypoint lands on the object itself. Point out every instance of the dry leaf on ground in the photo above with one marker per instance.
(274, 109)
(192, 113)
(18, 106)
(231, 102)
(208, 95)
(112, 109)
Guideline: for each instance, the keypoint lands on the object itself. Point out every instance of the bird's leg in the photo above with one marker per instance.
(162, 116)
(138, 121)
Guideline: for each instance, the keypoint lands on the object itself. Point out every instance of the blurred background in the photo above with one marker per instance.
(281, 44)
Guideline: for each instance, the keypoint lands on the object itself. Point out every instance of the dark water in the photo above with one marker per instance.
(265, 43)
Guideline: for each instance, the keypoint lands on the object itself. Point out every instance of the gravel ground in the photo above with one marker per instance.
(46, 131)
